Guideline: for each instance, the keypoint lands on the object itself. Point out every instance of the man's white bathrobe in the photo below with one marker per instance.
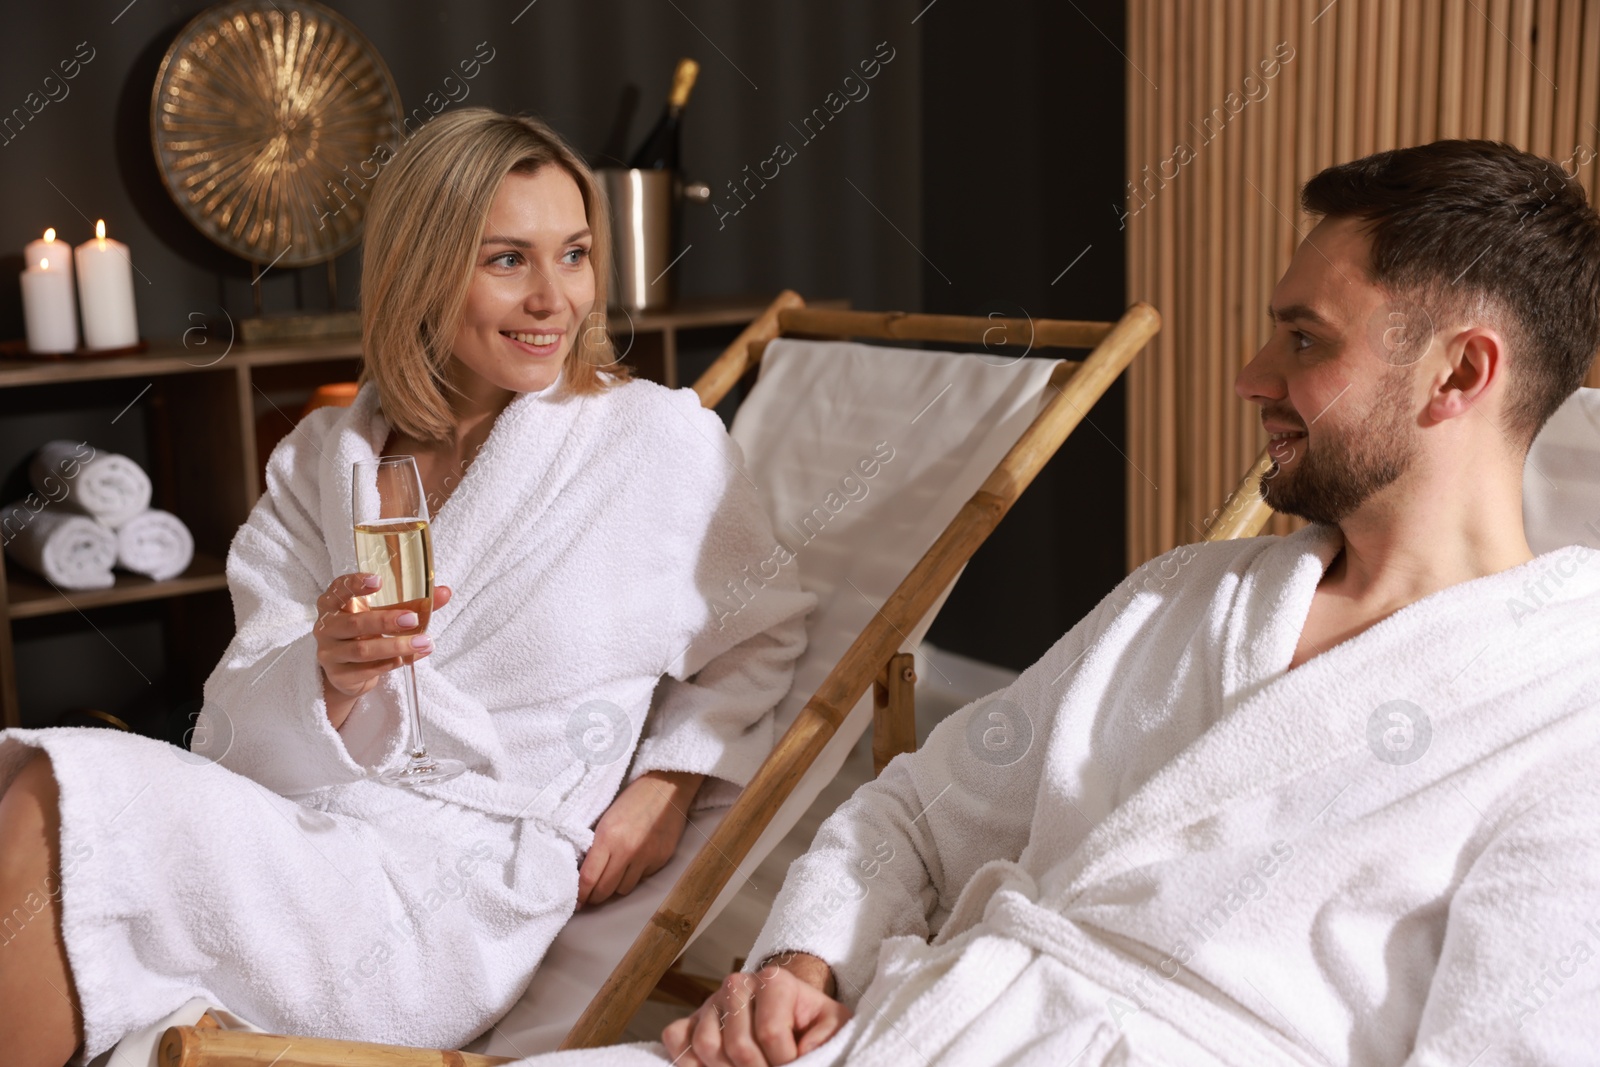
(1160, 845)
(268, 872)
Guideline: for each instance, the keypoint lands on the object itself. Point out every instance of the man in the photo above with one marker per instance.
(1327, 798)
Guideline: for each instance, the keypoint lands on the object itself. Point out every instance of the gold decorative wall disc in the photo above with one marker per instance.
(262, 116)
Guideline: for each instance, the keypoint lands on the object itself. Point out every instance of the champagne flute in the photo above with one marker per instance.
(391, 530)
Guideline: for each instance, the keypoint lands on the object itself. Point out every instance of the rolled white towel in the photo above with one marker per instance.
(155, 543)
(73, 551)
(102, 485)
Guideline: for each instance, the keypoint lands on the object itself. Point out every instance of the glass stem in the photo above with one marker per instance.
(419, 748)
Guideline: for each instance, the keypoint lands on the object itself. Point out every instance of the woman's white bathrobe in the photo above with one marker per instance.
(1160, 845)
(270, 873)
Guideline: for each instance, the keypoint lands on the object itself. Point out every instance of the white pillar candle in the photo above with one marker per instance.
(105, 292)
(48, 307)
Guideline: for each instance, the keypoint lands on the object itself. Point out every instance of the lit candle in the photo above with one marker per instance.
(105, 292)
(58, 252)
(48, 306)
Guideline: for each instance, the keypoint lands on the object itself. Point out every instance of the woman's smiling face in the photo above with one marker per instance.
(532, 286)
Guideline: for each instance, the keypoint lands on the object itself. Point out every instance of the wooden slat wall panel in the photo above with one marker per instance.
(1191, 89)
(1499, 55)
(1519, 39)
(1544, 89)
(1477, 41)
(1205, 411)
(1209, 237)
(1566, 113)
(1169, 385)
(1137, 148)
(1428, 72)
(1247, 44)
(1588, 100)
(1387, 122)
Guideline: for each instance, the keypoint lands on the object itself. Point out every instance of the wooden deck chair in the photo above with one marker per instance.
(894, 609)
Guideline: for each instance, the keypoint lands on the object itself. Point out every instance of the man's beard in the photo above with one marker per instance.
(1345, 470)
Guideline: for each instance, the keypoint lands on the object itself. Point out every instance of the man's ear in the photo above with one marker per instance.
(1475, 363)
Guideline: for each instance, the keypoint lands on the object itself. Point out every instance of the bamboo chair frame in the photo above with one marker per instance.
(873, 659)
(1244, 513)
(870, 656)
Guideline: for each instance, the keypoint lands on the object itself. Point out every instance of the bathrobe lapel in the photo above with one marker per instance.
(489, 515)
(1280, 728)
(499, 512)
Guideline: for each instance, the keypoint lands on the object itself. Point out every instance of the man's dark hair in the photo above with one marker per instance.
(1454, 222)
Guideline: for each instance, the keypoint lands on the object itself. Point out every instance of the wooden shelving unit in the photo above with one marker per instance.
(29, 596)
(211, 412)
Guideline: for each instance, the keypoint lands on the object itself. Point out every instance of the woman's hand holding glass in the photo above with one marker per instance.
(352, 648)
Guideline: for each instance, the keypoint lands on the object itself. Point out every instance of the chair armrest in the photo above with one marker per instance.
(201, 1046)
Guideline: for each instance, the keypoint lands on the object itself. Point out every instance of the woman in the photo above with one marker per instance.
(591, 528)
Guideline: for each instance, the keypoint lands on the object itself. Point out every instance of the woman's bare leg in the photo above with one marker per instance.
(38, 1006)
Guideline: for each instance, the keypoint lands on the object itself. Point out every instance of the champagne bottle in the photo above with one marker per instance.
(660, 149)
(614, 152)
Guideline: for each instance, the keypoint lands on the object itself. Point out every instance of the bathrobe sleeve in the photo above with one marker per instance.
(1518, 976)
(894, 858)
(264, 714)
(738, 618)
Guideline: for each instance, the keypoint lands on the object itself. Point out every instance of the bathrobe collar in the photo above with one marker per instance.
(530, 432)
(1455, 652)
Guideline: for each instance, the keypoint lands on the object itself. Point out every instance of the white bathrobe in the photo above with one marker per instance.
(1159, 845)
(268, 872)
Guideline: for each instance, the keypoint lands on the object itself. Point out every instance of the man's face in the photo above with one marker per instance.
(1335, 380)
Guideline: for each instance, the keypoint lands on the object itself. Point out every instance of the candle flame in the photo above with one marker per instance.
(44, 264)
(50, 234)
(100, 229)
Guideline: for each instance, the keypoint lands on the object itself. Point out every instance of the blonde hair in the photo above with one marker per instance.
(423, 228)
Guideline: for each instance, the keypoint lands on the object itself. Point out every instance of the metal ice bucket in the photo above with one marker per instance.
(643, 235)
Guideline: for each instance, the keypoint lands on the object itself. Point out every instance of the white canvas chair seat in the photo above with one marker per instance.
(1561, 482)
(817, 409)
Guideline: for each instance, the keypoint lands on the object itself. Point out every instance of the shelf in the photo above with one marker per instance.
(172, 357)
(38, 372)
(31, 596)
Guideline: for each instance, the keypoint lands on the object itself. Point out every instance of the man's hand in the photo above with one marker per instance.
(637, 834)
(771, 1017)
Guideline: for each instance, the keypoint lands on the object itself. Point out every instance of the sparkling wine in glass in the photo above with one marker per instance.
(391, 529)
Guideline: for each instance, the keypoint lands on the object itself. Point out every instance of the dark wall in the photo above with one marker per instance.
(763, 66)
(1022, 133)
